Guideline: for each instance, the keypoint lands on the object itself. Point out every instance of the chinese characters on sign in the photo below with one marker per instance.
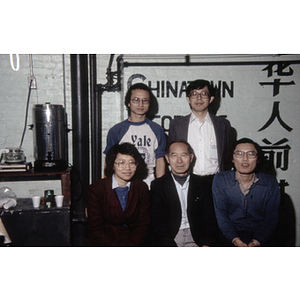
(277, 152)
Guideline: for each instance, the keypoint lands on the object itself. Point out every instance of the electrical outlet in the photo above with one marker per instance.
(33, 82)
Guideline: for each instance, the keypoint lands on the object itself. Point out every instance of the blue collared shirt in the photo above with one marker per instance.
(123, 196)
(256, 212)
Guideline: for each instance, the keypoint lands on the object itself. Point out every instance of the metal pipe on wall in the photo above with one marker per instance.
(96, 121)
(96, 92)
(80, 130)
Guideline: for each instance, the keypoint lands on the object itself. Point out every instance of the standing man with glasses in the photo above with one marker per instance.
(148, 137)
(246, 201)
(211, 137)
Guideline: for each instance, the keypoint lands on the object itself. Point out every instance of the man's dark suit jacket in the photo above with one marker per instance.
(166, 211)
(225, 136)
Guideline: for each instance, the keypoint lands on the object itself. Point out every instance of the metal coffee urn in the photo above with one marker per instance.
(49, 137)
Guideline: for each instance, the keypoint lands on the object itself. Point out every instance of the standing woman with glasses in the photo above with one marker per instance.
(246, 201)
(118, 206)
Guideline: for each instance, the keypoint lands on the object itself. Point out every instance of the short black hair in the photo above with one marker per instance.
(190, 149)
(128, 149)
(260, 153)
(153, 105)
(199, 84)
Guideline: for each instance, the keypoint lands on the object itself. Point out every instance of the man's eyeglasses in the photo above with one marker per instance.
(250, 154)
(203, 95)
(122, 164)
(138, 100)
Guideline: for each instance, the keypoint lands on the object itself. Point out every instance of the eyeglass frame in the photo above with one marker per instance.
(137, 101)
(199, 94)
(131, 164)
(245, 152)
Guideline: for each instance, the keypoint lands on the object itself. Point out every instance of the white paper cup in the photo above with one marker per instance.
(59, 200)
(36, 201)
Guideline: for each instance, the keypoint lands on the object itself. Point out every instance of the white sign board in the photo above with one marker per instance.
(259, 97)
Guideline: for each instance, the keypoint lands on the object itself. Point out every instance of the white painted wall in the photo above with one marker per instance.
(52, 73)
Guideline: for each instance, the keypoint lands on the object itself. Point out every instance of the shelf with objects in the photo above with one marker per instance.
(42, 225)
(32, 175)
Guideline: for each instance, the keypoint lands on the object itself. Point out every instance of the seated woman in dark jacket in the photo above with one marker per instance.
(118, 206)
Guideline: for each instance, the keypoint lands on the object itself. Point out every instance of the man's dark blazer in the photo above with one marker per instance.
(225, 136)
(166, 211)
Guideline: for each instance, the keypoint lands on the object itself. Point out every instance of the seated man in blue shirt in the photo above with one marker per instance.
(246, 201)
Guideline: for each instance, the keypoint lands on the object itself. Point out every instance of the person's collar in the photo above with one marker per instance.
(182, 180)
(115, 183)
(254, 179)
(137, 122)
(206, 119)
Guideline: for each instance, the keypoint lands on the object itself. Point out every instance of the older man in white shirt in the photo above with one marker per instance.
(182, 212)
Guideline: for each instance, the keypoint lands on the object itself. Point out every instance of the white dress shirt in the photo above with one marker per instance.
(202, 138)
(182, 191)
